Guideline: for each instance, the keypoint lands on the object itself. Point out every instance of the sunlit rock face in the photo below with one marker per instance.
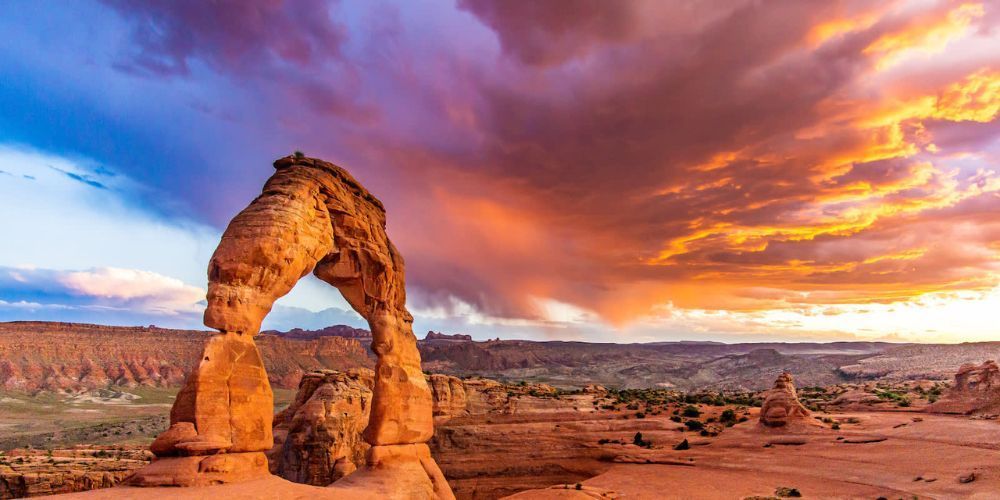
(976, 390)
(318, 438)
(781, 406)
(312, 216)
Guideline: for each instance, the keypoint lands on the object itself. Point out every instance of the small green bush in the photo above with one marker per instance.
(694, 425)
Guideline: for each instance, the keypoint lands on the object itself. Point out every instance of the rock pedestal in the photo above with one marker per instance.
(781, 407)
(311, 216)
(220, 422)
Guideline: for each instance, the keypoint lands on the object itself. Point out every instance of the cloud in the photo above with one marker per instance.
(553, 168)
(103, 295)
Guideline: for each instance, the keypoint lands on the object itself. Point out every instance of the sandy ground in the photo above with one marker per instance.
(922, 459)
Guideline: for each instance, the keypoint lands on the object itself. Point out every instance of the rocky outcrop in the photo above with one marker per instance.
(72, 357)
(318, 438)
(449, 396)
(781, 407)
(976, 390)
(26, 472)
(311, 216)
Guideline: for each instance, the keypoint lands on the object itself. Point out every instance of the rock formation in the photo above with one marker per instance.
(318, 438)
(781, 407)
(449, 396)
(976, 390)
(432, 335)
(311, 216)
(36, 472)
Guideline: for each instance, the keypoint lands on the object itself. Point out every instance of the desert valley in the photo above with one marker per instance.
(80, 412)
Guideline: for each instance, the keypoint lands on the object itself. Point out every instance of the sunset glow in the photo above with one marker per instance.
(550, 170)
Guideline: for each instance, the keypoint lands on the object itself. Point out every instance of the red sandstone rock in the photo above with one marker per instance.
(311, 216)
(318, 438)
(449, 396)
(781, 407)
(976, 390)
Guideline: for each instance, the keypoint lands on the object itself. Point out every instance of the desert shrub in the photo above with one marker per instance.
(785, 492)
(727, 415)
(640, 415)
(691, 411)
(683, 445)
(298, 154)
(694, 425)
(835, 426)
(675, 418)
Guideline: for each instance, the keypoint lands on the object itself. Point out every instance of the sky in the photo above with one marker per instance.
(627, 171)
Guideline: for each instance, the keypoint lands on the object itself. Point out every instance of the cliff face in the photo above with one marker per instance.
(38, 356)
(27, 473)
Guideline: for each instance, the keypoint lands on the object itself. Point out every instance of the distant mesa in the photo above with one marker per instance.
(344, 331)
(781, 407)
(976, 390)
(432, 335)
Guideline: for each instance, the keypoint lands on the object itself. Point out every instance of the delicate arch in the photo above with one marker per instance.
(314, 216)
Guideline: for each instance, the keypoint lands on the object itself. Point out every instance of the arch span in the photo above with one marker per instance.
(312, 216)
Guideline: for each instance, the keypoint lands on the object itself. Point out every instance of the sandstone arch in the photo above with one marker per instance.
(312, 216)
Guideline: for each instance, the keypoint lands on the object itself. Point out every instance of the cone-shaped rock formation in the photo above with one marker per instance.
(781, 407)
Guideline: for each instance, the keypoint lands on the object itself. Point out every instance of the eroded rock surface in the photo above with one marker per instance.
(781, 407)
(449, 396)
(976, 390)
(311, 216)
(318, 438)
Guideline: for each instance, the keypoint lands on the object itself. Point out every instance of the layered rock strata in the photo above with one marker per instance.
(311, 216)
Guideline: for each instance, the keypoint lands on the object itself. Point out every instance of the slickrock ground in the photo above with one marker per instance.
(511, 441)
(31, 472)
(886, 455)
